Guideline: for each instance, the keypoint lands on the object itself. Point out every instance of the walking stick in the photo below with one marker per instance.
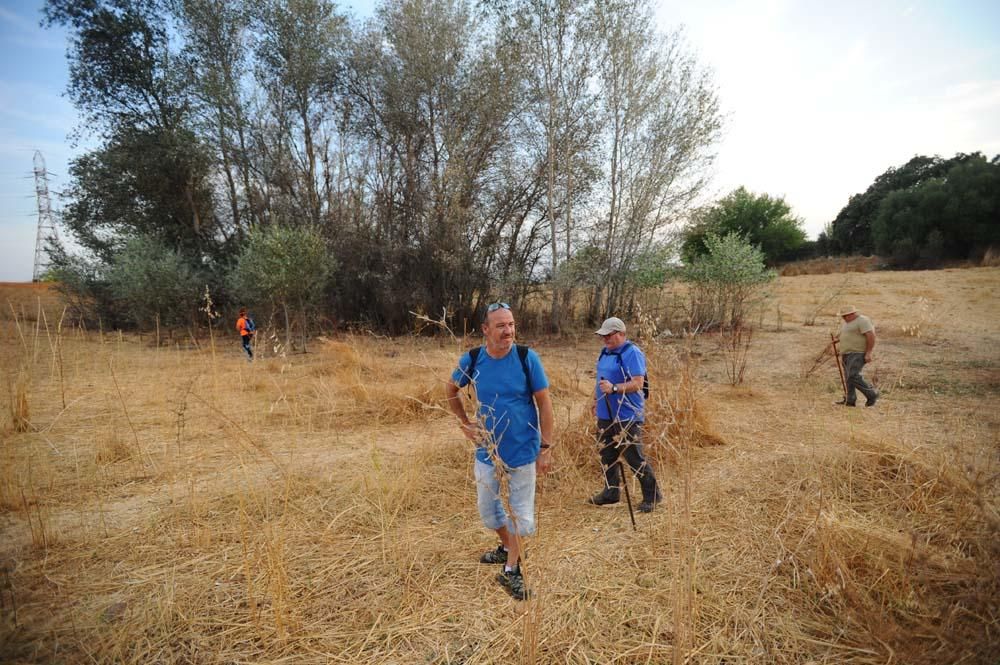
(621, 469)
(628, 497)
(840, 366)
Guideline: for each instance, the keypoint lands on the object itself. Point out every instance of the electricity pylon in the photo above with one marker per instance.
(46, 225)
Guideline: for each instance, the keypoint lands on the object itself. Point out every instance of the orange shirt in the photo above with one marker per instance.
(241, 325)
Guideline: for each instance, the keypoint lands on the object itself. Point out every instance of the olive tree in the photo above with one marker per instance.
(725, 281)
(286, 266)
(154, 282)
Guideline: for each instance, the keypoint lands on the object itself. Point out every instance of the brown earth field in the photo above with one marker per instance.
(177, 504)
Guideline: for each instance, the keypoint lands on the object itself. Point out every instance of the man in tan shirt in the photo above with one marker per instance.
(857, 339)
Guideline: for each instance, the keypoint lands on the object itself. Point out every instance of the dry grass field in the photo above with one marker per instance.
(176, 504)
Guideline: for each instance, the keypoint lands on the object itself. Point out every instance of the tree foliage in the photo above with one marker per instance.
(289, 266)
(154, 283)
(764, 221)
(725, 281)
(444, 151)
(851, 232)
(949, 217)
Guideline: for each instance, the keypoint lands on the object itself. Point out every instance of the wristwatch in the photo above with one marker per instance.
(614, 388)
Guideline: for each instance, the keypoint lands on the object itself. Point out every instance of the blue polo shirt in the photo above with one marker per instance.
(506, 407)
(633, 363)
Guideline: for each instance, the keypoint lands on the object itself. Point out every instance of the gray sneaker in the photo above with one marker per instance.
(874, 398)
(499, 555)
(513, 581)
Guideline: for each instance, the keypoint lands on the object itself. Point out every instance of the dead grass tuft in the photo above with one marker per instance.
(676, 414)
(20, 412)
(876, 537)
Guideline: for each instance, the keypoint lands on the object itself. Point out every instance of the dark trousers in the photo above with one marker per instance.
(246, 345)
(853, 364)
(623, 441)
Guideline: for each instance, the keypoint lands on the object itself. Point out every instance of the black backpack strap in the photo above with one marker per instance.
(470, 371)
(618, 355)
(522, 353)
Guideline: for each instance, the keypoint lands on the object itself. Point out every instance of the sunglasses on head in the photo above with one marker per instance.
(495, 306)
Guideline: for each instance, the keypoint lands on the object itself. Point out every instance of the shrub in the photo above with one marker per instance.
(153, 280)
(283, 265)
(725, 281)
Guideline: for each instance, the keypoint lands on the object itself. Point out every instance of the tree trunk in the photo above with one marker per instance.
(288, 326)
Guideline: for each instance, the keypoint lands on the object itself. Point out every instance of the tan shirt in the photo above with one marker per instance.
(852, 334)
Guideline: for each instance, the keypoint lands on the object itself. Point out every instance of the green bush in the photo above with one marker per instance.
(285, 266)
(152, 281)
(725, 282)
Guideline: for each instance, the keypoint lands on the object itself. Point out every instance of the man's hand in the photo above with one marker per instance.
(868, 357)
(606, 386)
(472, 431)
(544, 462)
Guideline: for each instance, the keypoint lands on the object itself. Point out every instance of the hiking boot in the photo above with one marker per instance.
(871, 400)
(604, 498)
(499, 555)
(647, 506)
(513, 582)
(844, 402)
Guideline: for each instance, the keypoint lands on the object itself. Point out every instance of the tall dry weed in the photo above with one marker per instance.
(20, 410)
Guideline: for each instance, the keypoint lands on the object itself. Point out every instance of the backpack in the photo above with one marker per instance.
(618, 354)
(522, 353)
(250, 325)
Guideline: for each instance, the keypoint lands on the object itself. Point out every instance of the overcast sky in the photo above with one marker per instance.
(820, 97)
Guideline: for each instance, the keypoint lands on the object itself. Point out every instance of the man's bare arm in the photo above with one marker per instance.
(546, 425)
(454, 400)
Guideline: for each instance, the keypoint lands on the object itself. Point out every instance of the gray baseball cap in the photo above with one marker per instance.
(612, 325)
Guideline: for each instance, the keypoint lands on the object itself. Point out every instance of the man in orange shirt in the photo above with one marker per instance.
(246, 328)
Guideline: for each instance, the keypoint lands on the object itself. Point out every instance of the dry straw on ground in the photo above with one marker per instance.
(185, 506)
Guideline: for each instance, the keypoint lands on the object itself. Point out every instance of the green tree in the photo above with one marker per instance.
(852, 230)
(956, 216)
(298, 67)
(761, 219)
(725, 281)
(217, 57)
(287, 266)
(661, 117)
(151, 176)
(154, 282)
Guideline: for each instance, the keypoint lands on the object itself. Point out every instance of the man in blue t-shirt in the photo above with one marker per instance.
(512, 433)
(619, 405)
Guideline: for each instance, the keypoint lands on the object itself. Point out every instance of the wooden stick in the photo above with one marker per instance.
(840, 365)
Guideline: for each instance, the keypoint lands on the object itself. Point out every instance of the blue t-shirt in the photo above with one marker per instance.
(506, 408)
(633, 363)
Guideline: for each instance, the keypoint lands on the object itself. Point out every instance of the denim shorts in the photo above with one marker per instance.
(521, 485)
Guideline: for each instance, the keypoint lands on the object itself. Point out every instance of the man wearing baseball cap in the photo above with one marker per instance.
(857, 339)
(619, 406)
